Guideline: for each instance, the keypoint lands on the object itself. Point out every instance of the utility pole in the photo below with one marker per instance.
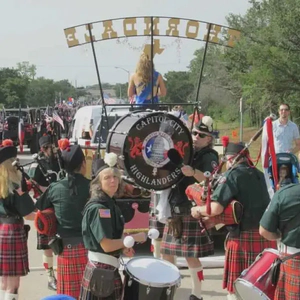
(241, 119)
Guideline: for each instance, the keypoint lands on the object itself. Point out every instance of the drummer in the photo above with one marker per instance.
(244, 183)
(183, 236)
(281, 221)
(102, 229)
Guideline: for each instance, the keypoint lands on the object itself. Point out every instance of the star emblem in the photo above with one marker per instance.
(149, 148)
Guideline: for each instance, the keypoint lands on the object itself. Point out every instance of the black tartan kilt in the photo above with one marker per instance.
(85, 293)
(193, 242)
(42, 241)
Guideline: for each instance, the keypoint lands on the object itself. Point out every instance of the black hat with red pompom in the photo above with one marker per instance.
(7, 150)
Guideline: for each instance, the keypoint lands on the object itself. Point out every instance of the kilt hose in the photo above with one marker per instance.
(13, 250)
(240, 253)
(85, 293)
(70, 269)
(193, 242)
(42, 241)
(153, 222)
(288, 286)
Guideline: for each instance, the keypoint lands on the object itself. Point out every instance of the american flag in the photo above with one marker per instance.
(57, 118)
(267, 153)
(104, 213)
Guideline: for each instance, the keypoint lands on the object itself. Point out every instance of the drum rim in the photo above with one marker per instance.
(156, 285)
(272, 250)
(252, 286)
(110, 132)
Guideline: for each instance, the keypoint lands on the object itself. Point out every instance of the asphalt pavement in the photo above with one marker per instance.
(34, 285)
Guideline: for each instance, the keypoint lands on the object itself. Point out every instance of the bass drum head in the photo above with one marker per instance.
(146, 146)
(153, 272)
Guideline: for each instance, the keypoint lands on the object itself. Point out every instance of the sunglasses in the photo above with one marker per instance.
(201, 135)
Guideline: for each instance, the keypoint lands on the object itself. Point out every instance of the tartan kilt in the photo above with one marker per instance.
(42, 241)
(85, 293)
(70, 269)
(241, 252)
(153, 222)
(288, 286)
(13, 250)
(193, 242)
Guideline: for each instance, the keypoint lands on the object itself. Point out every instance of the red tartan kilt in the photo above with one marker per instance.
(45, 222)
(85, 293)
(70, 269)
(13, 250)
(240, 253)
(193, 242)
(288, 286)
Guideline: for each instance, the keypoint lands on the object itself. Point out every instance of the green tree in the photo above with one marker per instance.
(266, 59)
(41, 92)
(13, 88)
(26, 69)
(179, 87)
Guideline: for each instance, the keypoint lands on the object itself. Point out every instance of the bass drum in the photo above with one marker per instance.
(142, 140)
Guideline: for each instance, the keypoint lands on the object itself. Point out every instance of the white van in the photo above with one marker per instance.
(87, 121)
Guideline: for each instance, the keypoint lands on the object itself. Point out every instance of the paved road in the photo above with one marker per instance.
(34, 286)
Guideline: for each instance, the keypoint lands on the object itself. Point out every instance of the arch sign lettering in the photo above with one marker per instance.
(151, 26)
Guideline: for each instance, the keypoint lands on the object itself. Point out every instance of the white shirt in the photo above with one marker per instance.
(284, 135)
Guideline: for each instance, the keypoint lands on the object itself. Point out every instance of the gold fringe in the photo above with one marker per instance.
(136, 230)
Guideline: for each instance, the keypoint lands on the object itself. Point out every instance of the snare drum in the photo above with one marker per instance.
(142, 140)
(255, 282)
(150, 278)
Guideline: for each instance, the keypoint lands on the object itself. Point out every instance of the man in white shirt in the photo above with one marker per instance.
(285, 132)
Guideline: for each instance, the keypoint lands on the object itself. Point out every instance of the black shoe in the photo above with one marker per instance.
(52, 285)
(193, 297)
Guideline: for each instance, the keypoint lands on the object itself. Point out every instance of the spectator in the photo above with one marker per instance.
(285, 132)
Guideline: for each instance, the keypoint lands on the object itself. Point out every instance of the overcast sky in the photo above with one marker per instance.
(32, 30)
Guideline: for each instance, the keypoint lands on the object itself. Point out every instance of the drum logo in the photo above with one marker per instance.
(155, 149)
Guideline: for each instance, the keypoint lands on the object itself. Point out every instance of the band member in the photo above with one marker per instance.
(14, 205)
(282, 221)
(246, 184)
(141, 82)
(68, 198)
(102, 228)
(182, 234)
(48, 162)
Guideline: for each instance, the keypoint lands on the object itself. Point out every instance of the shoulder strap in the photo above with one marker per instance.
(290, 257)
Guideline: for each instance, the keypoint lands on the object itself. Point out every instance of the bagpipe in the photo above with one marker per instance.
(27, 183)
(46, 173)
(200, 193)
